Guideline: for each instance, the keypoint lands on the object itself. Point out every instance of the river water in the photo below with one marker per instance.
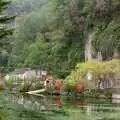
(24, 107)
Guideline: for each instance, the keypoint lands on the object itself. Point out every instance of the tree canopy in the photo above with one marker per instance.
(52, 35)
(5, 32)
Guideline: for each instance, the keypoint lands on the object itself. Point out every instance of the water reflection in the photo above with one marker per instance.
(58, 108)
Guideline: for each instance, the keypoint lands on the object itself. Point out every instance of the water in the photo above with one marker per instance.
(22, 107)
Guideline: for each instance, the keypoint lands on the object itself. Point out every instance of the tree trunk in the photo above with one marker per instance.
(116, 54)
(89, 51)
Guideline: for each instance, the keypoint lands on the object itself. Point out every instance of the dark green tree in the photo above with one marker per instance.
(4, 23)
(5, 32)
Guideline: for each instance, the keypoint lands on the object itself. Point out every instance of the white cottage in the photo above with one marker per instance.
(21, 74)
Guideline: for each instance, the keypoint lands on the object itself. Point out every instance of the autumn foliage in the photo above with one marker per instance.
(79, 88)
(58, 85)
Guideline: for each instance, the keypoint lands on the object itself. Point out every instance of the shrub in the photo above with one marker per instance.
(9, 82)
(101, 70)
(30, 84)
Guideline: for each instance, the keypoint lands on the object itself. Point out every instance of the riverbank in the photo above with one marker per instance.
(29, 87)
(90, 79)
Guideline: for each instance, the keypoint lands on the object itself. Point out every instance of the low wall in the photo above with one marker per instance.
(115, 96)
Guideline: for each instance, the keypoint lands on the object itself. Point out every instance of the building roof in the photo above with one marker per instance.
(21, 70)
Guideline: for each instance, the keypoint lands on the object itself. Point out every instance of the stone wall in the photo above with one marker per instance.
(112, 84)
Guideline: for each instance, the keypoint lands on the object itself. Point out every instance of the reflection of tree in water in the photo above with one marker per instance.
(57, 106)
(79, 104)
(28, 102)
(36, 103)
(102, 112)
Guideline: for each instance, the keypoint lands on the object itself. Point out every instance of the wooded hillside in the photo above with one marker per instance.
(55, 35)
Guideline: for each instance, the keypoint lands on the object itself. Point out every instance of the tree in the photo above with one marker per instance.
(5, 31)
(102, 8)
(4, 20)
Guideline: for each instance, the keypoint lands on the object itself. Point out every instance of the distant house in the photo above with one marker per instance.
(25, 73)
(31, 74)
(11, 76)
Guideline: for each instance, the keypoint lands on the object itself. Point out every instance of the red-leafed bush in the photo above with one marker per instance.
(79, 87)
(58, 85)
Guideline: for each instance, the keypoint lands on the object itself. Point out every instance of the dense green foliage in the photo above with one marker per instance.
(107, 40)
(52, 35)
(5, 32)
(47, 40)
